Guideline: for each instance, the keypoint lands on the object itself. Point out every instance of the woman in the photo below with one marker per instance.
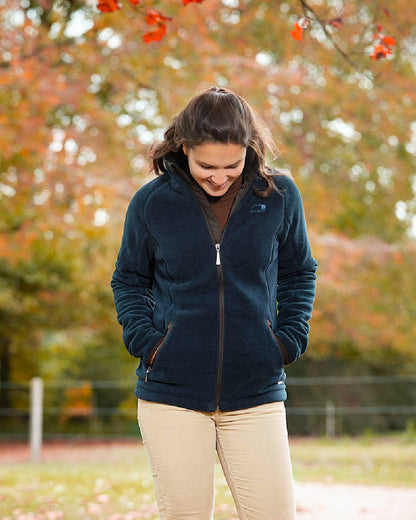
(209, 247)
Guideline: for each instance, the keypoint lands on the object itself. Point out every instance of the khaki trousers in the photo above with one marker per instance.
(253, 450)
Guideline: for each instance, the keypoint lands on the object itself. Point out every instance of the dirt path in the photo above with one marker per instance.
(350, 502)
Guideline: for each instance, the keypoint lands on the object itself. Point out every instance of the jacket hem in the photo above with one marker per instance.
(241, 404)
(175, 400)
(210, 405)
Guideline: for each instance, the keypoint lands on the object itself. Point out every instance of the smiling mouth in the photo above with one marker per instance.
(218, 186)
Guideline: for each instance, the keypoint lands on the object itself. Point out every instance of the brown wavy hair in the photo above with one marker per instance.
(217, 115)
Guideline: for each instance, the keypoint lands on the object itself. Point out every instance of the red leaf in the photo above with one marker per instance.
(107, 6)
(186, 2)
(336, 22)
(380, 52)
(155, 36)
(134, 2)
(297, 32)
(153, 16)
(389, 41)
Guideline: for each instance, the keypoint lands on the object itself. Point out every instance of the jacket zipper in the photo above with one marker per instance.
(217, 244)
(218, 248)
(217, 235)
(221, 328)
(156, 350)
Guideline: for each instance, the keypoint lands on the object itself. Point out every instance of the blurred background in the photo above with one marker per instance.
(81, 98)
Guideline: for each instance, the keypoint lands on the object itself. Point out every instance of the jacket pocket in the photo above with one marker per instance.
(155, 351)
(279, 343)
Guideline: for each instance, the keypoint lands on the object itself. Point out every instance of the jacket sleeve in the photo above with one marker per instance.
(132, 282)
(296, 278)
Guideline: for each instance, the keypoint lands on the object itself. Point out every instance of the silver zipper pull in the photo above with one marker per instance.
(218, 261)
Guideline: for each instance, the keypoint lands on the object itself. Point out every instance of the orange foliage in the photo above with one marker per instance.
(58, 92)
(297, 32)
(155, 36)
(152, 16)
(108, 6)
(363, 294)
(382, 49)
(77, 402)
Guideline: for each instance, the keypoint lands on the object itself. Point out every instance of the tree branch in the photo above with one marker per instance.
(307, 8)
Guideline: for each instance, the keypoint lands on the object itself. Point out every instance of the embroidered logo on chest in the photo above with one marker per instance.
(258, 208)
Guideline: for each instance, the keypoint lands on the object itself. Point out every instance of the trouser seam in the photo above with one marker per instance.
(242, 515)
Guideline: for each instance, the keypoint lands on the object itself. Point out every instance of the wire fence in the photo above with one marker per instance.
(107, 409)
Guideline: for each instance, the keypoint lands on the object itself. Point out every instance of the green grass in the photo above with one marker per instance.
(366, 460)
(119, 488)
(116, 484)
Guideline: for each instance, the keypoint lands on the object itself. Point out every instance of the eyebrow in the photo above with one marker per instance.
(206, 165)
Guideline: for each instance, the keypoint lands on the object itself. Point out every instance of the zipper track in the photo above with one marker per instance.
(221, 336)
(221, 296)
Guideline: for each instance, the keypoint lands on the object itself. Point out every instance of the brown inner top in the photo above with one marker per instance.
(221, 206)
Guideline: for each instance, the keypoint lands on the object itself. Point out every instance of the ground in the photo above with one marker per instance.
(316, 500)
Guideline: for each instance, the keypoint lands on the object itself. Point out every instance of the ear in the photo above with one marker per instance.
(185, 149)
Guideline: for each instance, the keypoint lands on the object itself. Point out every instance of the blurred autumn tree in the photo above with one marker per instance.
(81, 98)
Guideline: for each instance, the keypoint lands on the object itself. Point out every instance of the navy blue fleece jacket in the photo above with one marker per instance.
(214, 316)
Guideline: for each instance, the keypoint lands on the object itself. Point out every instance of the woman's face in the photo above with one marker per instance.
(215, 166)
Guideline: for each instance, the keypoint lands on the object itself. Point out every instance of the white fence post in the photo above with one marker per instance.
(330, 419)
(36, 418)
